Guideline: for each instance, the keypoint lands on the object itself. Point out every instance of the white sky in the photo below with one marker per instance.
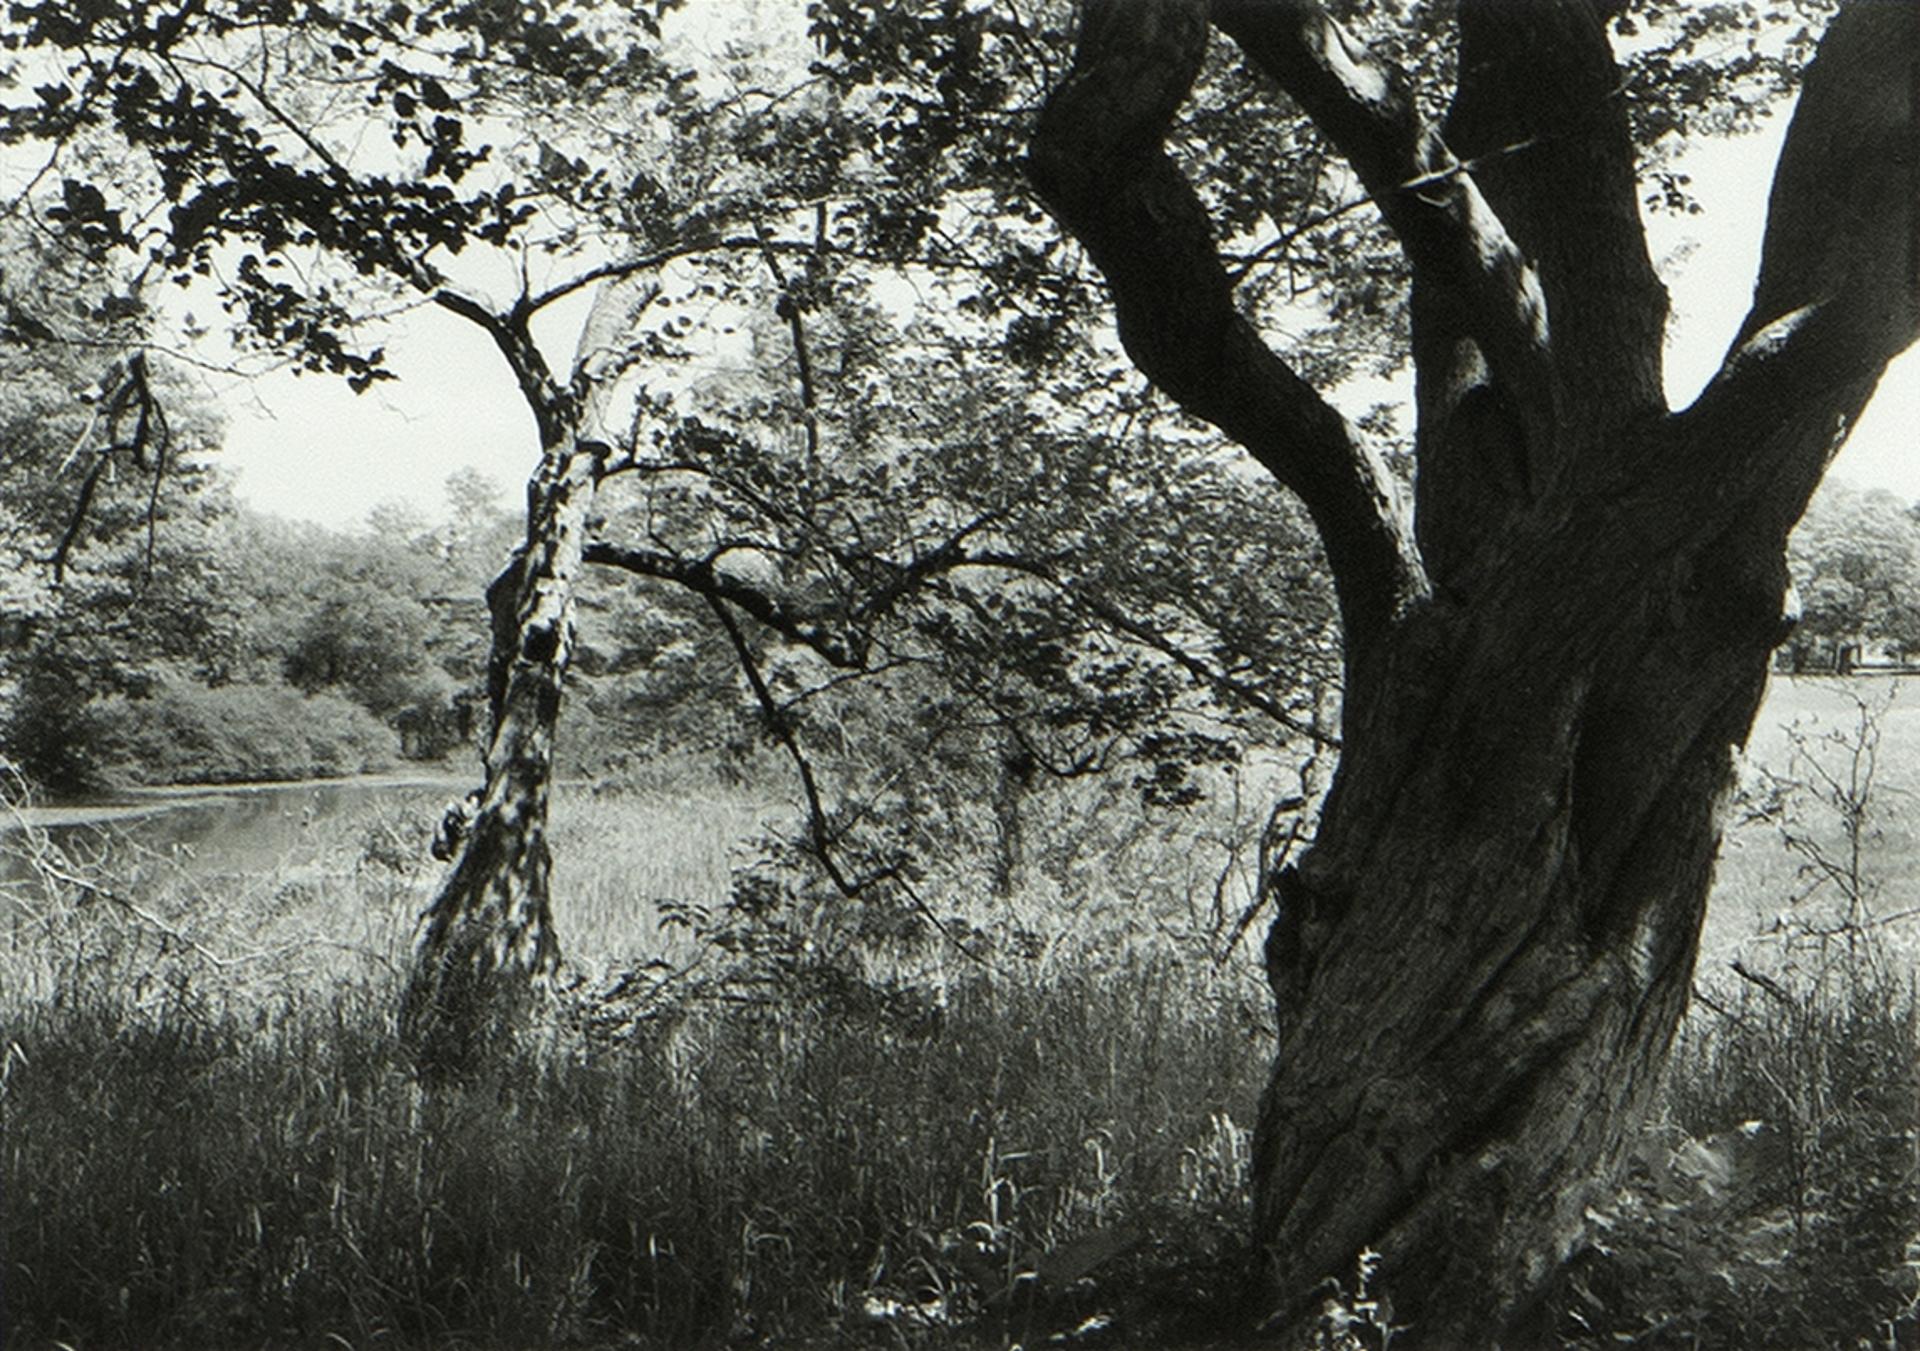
(309, 448)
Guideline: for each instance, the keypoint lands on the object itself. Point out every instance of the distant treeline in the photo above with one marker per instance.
(238, 647)
(1856, 570)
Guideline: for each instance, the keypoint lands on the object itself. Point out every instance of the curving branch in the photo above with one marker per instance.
(1838, 295)
(514, 340)
(1098, 161)
(1429, 198)
(824, 839)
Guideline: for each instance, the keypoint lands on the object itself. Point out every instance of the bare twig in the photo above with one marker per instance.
(823, 840)
(1767, 983)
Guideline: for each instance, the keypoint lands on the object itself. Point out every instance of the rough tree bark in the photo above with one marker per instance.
(1480, 964)
(487, 935)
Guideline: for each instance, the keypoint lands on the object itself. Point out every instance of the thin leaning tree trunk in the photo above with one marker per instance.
(487, 939)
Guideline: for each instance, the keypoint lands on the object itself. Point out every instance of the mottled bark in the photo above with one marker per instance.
(1479, 966)
(488, 932)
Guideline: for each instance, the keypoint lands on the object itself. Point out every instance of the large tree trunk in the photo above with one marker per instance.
(1480, 965)
(487, 935)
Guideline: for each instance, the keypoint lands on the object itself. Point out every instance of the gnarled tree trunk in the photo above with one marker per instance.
(1480, 965)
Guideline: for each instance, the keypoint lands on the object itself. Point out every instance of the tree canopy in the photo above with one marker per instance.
(1856, 567)
(848, 393)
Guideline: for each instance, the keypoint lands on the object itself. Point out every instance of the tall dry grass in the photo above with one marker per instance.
(212, 1138)
(185, 1175)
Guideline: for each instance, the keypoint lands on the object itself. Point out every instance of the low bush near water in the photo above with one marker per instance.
(233, 734)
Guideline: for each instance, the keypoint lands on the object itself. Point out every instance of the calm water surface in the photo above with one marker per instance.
(236, 828)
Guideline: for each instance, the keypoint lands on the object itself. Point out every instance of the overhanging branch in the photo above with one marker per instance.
(845, 642)
(701, 577)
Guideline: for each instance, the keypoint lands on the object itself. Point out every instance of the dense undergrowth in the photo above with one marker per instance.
(179, 1176)
(776, 1146)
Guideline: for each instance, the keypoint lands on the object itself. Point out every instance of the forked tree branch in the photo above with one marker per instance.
(514, 340)
(1838, 295)
(1098, 161)
(824, 838)
(1452, 237)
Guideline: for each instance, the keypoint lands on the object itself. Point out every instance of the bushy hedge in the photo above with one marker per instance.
(186, 732)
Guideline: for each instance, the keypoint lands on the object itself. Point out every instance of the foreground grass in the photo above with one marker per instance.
(1774, 1202)
(189, 1180)
(209, 1137)
(999, 1165)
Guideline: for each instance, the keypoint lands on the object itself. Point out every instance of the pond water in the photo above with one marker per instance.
(232, 828)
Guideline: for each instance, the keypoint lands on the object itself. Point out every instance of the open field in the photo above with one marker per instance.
(1819, 744)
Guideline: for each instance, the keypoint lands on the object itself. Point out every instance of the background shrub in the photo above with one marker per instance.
(187, 732)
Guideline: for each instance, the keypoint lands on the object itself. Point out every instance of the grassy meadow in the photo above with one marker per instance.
(1825, 754)
(210, 1137)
